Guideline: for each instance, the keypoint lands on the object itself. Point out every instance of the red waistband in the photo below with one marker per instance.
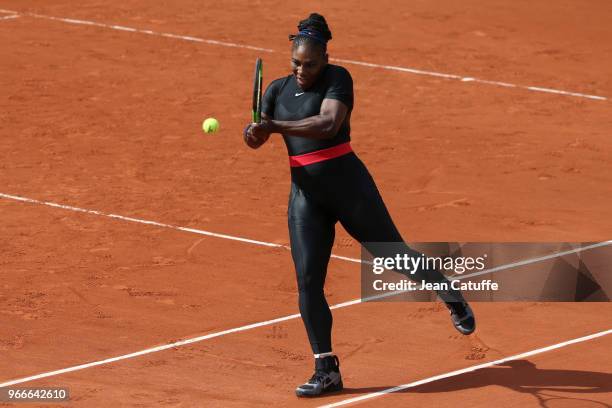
(320, 155)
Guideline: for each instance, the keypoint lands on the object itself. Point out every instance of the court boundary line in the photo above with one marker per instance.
(415, 71)
(9, 17)
(466, 370)
(141, 31)
(271, 244)
(160, 224)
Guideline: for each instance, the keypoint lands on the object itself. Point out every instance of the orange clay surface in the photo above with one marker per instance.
(110, 120)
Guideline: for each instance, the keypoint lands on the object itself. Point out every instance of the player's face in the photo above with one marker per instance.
(307, 63)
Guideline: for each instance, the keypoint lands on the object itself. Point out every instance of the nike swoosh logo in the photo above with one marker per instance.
(298, 94)
(330, 379)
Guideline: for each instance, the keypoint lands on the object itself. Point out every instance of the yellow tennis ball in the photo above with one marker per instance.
(210, 125)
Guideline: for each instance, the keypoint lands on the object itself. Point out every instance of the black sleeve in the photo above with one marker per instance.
(340, 86)
(269, 98)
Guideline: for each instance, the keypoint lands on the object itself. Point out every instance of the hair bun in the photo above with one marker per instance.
(316, 21)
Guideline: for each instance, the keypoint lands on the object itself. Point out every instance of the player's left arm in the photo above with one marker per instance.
(325, 125)
(337, 102)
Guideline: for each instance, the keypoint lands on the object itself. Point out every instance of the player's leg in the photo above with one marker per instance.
(364, 215)
(312, 231)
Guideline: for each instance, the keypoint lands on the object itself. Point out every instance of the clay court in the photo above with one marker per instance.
(144, 263)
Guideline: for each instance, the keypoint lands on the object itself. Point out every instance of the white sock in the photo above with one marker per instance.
(323, 355)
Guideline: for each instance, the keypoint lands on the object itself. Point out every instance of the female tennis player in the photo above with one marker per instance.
(311, 108)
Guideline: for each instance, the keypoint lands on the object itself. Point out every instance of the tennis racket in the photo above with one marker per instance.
(257, 87)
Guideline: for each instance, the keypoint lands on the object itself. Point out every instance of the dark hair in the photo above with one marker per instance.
(313, 31)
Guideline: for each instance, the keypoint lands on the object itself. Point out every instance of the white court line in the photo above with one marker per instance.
(149, 32)
(159, 224)
(466, 370)
(274, 245)
(461, 78)
(146, 351)
(471, 79)
(9, 17)
(533, 260)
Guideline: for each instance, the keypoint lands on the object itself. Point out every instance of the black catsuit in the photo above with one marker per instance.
(323, 193)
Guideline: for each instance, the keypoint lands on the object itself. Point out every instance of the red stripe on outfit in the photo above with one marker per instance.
(320, 155)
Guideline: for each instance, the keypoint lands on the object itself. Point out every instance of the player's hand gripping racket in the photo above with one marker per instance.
(257, 87)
